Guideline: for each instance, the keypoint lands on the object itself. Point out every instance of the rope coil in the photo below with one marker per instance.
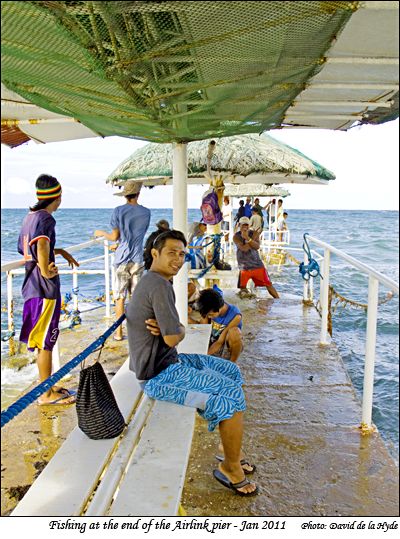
(312, 268)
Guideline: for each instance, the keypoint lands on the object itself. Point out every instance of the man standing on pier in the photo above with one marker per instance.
(129, 224)
(250, 264)
(41, 286)
(211, 385)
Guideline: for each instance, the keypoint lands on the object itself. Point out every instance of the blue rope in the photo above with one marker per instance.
(217, 248)
(312, 268)
(18, 406)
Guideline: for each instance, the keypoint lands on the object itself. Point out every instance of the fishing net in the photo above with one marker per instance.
(167, 71)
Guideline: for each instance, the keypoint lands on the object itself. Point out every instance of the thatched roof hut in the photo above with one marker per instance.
(258, 159)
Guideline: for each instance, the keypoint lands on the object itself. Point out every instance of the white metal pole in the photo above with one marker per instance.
(10, 312)
(112, 259)
(368, 390)
(311, 288)
(75, 288)
(324, 297)
(107, 278)
(180, 223)
(305, 283)
(55, 357)
(231, 225)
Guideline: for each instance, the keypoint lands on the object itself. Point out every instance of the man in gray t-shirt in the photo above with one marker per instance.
(210, 384)
(149, 354)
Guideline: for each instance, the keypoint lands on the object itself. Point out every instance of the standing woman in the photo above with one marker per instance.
(41, 286)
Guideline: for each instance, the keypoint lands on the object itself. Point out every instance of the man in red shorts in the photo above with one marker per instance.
(249, 261)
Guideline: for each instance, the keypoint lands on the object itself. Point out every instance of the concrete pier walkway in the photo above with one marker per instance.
(301, 427)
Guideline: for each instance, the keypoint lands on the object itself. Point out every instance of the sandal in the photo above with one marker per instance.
(243, 462)
(221, 478)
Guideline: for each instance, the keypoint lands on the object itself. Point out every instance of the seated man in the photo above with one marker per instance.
(212, 385)
(193, 309)
(226, 323)
(250, 264)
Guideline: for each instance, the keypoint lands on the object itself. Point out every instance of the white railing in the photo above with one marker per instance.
(271, 238)
(16, 268)
(372, 311)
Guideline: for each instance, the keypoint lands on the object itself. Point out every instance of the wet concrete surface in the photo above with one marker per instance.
(301, 425)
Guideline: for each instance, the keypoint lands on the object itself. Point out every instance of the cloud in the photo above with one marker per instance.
(16, 185)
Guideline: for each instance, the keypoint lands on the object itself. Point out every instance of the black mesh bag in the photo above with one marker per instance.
(98, 414)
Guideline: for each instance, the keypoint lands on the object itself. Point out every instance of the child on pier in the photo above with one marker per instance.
(226, 322)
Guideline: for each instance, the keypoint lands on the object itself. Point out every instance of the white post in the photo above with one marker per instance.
(231, 225)
(75, 288)
(324, 297)
(55, 357)
(179, 168)
(311, 288)
(112, 259)
(107, 278)
(305, 283)
(368, 389)
(10, 312)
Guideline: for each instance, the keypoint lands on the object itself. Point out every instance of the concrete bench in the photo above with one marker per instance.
(213, 276)
(140, 473)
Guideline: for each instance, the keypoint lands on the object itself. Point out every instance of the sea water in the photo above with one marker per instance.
(369, 236)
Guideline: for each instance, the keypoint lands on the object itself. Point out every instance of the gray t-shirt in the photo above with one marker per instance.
(247, 260)
(153, 297)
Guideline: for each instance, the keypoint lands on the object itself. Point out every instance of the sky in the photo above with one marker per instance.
(364, 159)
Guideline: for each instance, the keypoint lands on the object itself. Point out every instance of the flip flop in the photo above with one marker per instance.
(243, 462)
(59, 402)
(221, 478)
(65, 391)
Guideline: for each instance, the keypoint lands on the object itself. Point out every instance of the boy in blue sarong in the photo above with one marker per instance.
(226, 324)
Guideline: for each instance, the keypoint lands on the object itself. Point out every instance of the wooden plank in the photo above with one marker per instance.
(109, 482)
(155, 478)
(67, 481)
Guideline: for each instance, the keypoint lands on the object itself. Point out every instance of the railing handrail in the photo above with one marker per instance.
(357, 264)
(16, 264)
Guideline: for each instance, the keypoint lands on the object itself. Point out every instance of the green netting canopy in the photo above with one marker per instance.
(167, 71)
(241, 155)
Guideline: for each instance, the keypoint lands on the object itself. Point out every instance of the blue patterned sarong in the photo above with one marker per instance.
(210, 384)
